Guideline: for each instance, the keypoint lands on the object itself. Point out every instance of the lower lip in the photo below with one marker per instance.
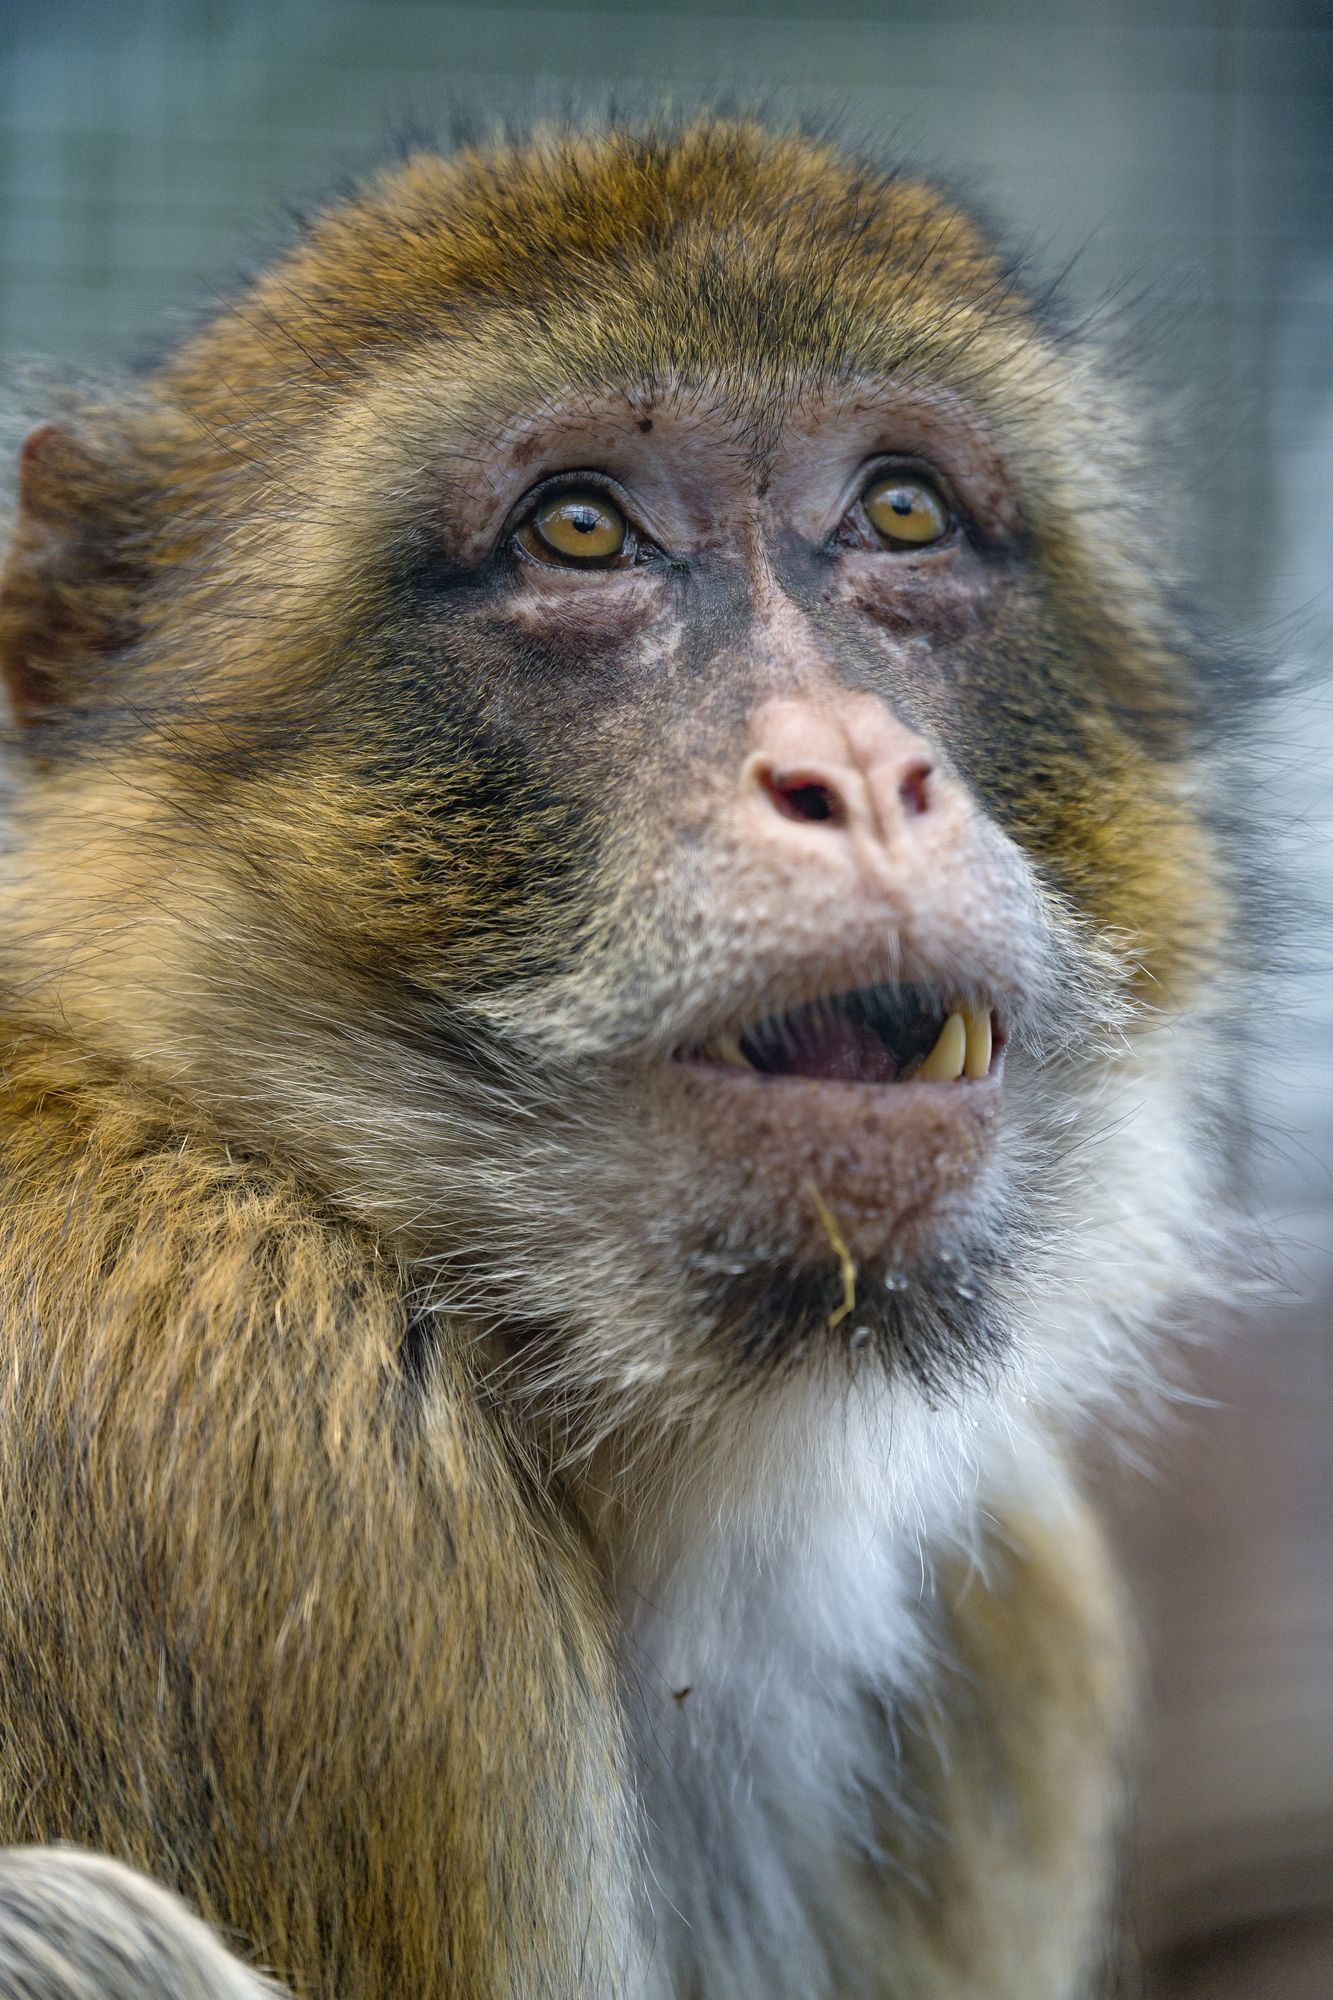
(894, 1165)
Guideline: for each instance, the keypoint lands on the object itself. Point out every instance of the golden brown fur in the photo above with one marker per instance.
(197, 1582)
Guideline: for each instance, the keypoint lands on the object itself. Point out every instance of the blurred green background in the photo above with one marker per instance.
(1175, 157)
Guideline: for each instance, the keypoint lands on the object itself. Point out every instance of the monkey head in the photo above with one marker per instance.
(621, 707)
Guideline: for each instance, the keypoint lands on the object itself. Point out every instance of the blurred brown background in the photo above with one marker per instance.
(1177, 155)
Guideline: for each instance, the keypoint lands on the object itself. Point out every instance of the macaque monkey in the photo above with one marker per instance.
(618, 923)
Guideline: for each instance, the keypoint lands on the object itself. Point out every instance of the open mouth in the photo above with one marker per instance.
(870, 1035)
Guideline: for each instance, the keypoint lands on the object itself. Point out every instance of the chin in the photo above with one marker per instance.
(900, 1274)
(939, 1320)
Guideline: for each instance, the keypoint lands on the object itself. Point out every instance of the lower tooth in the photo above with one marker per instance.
(945, 1062)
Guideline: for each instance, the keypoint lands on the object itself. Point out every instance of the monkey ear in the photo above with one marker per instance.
(66, 587)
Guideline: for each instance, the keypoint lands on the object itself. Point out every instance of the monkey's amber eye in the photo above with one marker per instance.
(577, 524)
(904, 510)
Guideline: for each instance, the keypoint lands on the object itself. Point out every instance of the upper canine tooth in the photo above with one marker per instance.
(977, 1061)
(945, 1061)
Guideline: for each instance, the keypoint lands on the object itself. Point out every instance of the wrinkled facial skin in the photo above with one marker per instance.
(517, 845)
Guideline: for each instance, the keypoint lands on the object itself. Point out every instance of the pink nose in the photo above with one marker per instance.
(839, 769)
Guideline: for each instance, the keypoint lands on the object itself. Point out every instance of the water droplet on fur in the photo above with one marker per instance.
(894, 1282)
(860, 1335)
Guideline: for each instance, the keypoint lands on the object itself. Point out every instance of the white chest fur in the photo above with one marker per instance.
(764, 1653)
(778, 1621)
(763, 1756)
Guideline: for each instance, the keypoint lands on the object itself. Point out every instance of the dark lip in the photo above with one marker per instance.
(895, 1164)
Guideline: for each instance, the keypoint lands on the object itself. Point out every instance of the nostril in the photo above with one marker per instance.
(801, 795)
(914, 786)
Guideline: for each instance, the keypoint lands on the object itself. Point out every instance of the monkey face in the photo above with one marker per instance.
(794, 944)
(686, 728)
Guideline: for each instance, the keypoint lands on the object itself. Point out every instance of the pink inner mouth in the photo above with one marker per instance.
(838, 1049)
(872, 1035)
